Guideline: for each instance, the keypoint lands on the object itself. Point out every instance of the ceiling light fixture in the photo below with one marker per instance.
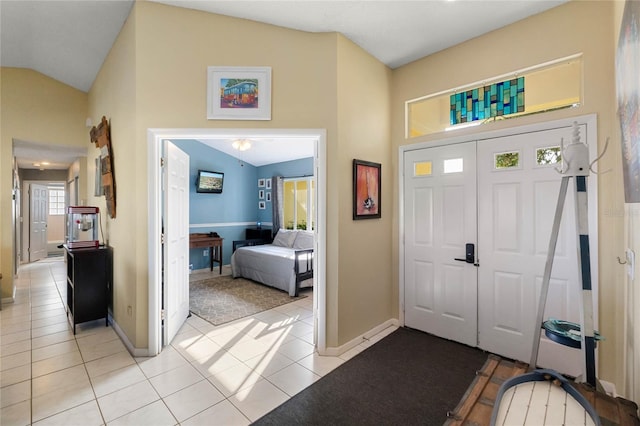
(241, 144)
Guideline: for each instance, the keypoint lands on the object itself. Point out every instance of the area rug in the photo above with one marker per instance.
(223, 299)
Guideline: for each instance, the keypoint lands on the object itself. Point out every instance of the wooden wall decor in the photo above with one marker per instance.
(101, 136)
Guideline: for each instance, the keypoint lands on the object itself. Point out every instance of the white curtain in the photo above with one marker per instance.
(277, 183)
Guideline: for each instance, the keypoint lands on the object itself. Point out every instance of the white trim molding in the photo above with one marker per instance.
(369, 336)
(155, 137)
(136, 352)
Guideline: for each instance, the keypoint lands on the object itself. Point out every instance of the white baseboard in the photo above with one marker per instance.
(136, 352)
(10, 299)
(609, 388)
(337, 351)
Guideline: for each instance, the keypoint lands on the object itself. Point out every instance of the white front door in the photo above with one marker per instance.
(39, 211)
(517, 192)
(176, 240)
(440, 220)
(517, 200)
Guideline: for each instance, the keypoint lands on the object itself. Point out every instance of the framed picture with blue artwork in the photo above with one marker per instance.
(239, 93)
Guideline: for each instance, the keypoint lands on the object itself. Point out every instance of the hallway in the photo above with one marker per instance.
(230, 374)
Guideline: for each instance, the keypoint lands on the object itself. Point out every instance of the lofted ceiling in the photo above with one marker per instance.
(264, 150)
(68, 40)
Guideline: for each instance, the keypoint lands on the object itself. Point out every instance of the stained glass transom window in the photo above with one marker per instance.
(503, 98)
(549, 86)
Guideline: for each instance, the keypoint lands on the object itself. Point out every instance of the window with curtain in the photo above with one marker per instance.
(299, 209)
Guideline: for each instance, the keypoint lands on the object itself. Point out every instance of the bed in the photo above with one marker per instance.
(286, 263)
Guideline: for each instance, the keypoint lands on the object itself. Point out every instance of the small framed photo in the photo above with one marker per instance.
(267, 183)
(366, 190)
(239, 93)
(268, 196)
(261, 205)
(260, 183)
(261, 194)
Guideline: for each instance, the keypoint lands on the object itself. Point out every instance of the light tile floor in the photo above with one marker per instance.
(228, 375)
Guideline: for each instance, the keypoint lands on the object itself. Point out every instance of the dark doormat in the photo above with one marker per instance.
(408, 378)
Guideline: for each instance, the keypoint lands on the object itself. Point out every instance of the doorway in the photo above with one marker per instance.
(155, 140)
(477, 216)
(42, 228)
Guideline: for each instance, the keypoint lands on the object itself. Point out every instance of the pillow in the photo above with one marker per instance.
(304, 240)
(284, 238)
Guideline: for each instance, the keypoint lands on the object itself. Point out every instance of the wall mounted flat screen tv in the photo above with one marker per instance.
(209, 182)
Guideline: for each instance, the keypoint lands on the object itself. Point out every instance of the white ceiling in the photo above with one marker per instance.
(32, 155)
(68, 40)
(265, 151)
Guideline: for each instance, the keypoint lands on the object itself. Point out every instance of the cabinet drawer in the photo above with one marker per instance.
(199, 244)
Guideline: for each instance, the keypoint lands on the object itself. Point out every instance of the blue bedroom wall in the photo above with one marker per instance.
(236, 208)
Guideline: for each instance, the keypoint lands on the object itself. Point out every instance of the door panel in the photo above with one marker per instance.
(39, 197)
(176, 246)
(516, 208)
(440, 219)
(517, 193)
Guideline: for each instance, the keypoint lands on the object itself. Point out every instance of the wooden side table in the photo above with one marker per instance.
(214, 244)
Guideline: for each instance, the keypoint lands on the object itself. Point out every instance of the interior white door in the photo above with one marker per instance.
(176, 240)
(632, 313)
(39, 211)
(440, 219)
(516, 205)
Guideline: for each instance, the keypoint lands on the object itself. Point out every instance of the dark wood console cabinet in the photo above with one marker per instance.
(89, 273)
(258, 233)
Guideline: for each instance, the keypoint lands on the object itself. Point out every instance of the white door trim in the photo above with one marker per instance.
(591, 139)
(155, 136)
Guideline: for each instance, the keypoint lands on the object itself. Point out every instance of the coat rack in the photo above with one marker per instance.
(575, 164)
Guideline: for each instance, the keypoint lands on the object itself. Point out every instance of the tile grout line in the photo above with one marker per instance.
(183, 356)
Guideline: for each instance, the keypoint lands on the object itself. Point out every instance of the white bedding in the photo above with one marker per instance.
(270, 265)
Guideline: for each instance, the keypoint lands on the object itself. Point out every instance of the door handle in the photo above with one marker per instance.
(470, 255)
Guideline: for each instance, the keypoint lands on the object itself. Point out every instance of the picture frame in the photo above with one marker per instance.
(262, 205)
(267, 183)
(260, 183)
(367, 190)
(261, 194)
(238, 93)
(628, 98)
(268, 197)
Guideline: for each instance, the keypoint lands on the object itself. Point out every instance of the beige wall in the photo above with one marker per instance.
(113, 95)
(161, 84)
(576, 27)
(364, 246)
(34, 108)
(155, 77)
(55, 228)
